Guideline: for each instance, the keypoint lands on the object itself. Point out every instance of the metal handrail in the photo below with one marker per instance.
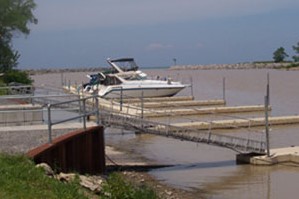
(83, 113)
(137, 123)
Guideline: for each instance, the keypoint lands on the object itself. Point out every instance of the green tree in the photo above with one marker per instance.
(279, 55)
(296, 49)
(15, 17)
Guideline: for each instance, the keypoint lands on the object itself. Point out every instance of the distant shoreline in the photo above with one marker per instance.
(258, 65)
(253, 65)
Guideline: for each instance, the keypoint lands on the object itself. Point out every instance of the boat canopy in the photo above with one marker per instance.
(123, 64)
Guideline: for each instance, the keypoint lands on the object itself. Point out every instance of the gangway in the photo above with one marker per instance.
(129, 122)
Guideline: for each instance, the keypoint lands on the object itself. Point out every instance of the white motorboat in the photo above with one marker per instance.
(126, 81)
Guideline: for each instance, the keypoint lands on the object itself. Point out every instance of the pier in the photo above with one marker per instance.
(141, 115)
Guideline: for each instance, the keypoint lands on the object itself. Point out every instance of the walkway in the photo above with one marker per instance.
(138, 124)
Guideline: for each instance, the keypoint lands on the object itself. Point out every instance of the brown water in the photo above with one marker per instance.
(211, 170)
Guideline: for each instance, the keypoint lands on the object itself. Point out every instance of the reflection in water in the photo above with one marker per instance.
(212, 170)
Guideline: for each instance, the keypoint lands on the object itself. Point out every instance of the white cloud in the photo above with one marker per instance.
(63, 14)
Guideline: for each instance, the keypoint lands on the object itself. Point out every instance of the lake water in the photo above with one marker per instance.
(211, 171)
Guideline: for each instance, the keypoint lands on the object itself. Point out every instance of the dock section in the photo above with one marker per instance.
(238, 123)
(141, 108)
(204, 111)
(277, 156)
(186, 103)
(158, 99)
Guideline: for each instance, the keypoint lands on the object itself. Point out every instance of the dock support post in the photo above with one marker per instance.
(267, 101)
(191, 80)
(267, 125)
(223, 87)
(62, 83)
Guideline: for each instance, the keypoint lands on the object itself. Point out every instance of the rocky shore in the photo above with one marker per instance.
(253, 65)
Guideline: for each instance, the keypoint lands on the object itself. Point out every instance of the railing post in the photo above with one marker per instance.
(49, 123)
(97, 110)
(79, 104)
(84, 114)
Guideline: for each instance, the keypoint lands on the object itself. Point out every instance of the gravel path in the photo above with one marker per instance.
(16, 142)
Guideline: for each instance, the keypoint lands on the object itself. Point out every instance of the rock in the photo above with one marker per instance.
(168, 192)
(66, 177)
(93, 183)
(48, 170)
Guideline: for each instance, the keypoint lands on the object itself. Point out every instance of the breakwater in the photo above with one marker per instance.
(250, 65)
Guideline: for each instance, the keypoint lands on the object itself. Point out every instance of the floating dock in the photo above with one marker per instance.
(146, 108)
(181, 103)
(277, 156)
(238, 123)
(204, 111)
(158, 99)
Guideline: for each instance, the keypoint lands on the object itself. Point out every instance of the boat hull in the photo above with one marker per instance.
(141, 92)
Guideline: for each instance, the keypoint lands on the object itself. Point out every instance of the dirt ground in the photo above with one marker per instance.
(135, 167)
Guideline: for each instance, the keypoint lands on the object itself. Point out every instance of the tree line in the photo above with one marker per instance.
(280, 54)
(15, 17)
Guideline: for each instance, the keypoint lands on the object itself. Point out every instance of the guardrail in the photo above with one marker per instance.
(83, 113)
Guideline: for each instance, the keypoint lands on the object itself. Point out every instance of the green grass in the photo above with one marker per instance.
(20, 179)
(117, 187)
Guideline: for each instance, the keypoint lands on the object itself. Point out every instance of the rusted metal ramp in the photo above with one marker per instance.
(137, 124)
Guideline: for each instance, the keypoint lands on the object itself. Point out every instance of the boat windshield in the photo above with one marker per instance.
(125, 64)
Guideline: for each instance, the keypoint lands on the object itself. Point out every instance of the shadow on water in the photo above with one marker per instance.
(200, 165)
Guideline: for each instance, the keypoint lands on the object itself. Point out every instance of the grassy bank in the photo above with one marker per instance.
(19, 178)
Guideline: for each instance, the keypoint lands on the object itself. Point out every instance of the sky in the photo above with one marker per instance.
(79, 33)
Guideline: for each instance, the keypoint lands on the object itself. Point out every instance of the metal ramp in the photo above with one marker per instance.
(129, 122)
